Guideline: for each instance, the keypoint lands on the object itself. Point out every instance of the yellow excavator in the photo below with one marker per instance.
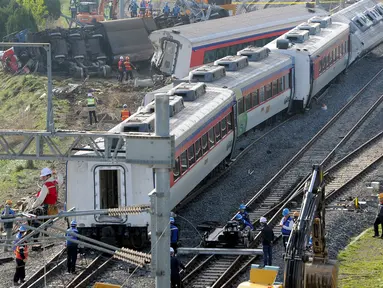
(303, 270)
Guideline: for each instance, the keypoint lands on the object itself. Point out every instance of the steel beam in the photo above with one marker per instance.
(132, 147)
(219, 251)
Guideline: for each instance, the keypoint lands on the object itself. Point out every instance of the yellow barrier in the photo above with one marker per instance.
(105, 285)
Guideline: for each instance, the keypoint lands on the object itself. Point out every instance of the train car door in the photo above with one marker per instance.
(110, 191)
(169, 56)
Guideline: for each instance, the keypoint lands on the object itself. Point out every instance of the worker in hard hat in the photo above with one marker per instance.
(125, 114)
(47, 197)
(121, 69)
(166, 10)
(379, 217)
(21, 253)
(267, 242)
(128, 68)
(242, 211)
(73, 9)
(174, 235)
(71, 247)
(176, 10)
(11, 211)
(20, 234)
(287, 226)
(142, 8)
(243, 223)
(175, 266)
(133, 7)
(91, 105)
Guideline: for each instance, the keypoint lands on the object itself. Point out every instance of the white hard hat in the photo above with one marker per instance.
(90, 95)
(45, 171)
(121, 58)
(263, 220)
(171, 250)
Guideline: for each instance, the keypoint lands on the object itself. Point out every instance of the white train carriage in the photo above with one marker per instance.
(180, 49)
(366, 24)
(260, 80)
(320, 51)
(202, 122)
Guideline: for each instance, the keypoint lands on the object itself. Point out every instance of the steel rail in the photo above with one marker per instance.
(262, 195)
(330, 197)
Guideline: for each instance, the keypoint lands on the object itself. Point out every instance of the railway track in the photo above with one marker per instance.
(320, 149)
(53, 273)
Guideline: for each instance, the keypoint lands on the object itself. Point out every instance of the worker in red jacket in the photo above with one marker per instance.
(128, 68)
(121, 69)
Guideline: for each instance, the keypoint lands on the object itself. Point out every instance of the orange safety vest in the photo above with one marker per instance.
(128, 67)
(51, 197)
(18, 255)
(125, 114)
(120, 63)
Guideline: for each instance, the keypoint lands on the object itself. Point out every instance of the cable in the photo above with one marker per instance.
(151, 250)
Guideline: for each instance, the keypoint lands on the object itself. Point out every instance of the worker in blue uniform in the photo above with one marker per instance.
(133, 7)
(174, 235)
(166, 10)
(19, 235)
(71, 247)
(142, 8)
(176, 10)
(242, 222)
(287, 225)
(244, 214)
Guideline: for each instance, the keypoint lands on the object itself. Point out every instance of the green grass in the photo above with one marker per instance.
(361, 264)
(23, 105)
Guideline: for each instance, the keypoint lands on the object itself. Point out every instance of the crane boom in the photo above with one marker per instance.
(316, 270)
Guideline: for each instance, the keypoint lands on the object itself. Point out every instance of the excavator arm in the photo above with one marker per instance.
(301, 269)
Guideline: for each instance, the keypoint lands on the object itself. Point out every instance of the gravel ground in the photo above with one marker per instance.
(341, 226)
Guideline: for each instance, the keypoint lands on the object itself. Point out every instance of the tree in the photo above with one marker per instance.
(54, 8)
(20, 19)
(38, 10)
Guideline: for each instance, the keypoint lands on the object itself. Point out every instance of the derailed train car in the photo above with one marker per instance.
(89, 50)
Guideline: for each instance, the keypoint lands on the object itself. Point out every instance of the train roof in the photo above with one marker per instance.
(314, 36)
(242, 25)
(245, 71)
(191, 105)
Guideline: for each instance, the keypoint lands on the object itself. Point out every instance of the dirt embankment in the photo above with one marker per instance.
(23, 105)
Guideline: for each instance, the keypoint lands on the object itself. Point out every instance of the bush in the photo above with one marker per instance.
(53, 8)
(20, 19)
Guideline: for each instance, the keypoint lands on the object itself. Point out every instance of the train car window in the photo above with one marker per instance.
(198, 149)
(260, 43)
(217, 132)
(255, 97)
(287, 81)
(191, 155)
(223, 127)
(240, 106)
(280, 85)
(205, 146)
(261, 94)
(184, 162)
(228, 118)
(275, 87)
(328, 60)
(268, 91)
(232, 50)
(176, 169)
(222, 52)
(210, 56)
(211, 137)
(248, 102)
(109, 188)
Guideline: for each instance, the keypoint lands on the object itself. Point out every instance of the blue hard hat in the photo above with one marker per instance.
(238, 217)
(285, 212)
(22, 229)
(171, 220)
(73, 223)
(242, 207)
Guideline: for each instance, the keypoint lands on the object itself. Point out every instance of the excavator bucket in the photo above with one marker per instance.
(321, 275)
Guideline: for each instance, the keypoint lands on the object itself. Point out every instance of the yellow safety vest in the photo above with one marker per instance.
(91, 102)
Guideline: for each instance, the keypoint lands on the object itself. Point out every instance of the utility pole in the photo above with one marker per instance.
(122, 8)
(160, 232)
